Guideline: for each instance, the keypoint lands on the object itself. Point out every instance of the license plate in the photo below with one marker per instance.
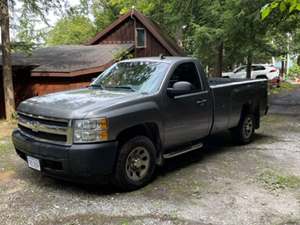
(34, 163)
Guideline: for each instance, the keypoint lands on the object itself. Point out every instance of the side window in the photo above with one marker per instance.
(241, 69)
(186, 72)
(257, 68)
(140, 38)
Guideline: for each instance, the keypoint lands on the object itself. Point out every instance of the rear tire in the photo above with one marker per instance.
(243, 133)
(135, 164)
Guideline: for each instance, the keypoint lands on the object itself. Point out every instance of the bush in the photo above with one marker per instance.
(294, 72)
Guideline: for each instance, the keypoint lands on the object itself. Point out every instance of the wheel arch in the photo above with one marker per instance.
(251, 107)
(148, 129)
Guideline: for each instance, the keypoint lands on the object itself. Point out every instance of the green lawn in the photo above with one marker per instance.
(285, 86)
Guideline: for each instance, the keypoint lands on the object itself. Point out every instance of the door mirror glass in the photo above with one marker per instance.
(180, 88)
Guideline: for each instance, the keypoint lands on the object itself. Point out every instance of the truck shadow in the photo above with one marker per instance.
(216, 144)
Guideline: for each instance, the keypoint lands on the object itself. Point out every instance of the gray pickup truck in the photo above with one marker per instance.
(135, 115)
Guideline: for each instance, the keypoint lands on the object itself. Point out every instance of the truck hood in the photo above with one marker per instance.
(75, 104)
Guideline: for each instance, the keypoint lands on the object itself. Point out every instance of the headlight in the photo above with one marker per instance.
(90, 130)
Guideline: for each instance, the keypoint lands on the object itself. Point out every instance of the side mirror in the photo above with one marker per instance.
(180, 88)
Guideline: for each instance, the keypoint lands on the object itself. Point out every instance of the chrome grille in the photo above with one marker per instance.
(57, 131)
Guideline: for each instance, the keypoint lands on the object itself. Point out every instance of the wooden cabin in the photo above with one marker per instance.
(66, 67)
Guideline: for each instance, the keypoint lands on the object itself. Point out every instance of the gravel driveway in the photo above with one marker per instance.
(222, 184)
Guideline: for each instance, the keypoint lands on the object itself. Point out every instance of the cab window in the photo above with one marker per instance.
(186, 72)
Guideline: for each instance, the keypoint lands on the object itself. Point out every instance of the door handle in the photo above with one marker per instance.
(201, 101)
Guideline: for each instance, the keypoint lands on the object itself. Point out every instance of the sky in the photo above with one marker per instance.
(52, 18)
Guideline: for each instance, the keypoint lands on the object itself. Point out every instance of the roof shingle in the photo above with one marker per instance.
(67, 59)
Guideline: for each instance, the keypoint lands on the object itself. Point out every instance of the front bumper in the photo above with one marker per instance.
(92, 162)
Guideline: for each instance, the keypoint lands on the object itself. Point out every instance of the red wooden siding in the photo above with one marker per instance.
(153, 47)
(45, 85)
(125, 33)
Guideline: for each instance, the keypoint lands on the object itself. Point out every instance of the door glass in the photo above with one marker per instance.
(186, 72)
(258, 68)
(241, 69)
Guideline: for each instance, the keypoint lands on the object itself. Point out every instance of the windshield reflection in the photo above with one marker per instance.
(133, 76)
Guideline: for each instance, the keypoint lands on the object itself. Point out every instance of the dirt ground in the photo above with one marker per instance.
(221, 184)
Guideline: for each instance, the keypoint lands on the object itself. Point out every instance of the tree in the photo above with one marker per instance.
(37, 7)
(246, 34)
(286, 7)
(73, 29)
(6, 57)
(204, 34)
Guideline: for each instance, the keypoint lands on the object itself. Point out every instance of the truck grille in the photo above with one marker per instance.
(57, 131)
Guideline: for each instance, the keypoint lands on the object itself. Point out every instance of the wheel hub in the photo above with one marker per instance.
(248, 127)
(137, 163)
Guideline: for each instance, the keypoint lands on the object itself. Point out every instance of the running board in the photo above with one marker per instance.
(180, 152)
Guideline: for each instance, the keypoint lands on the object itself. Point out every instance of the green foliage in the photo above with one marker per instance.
(122, 54)
(75, 29)
(284, 86)
(273, 180)
(285, 6)
(106, 11)
(294, 72)
(28, 36)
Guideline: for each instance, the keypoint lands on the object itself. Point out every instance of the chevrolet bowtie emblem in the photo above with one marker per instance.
(35, 126)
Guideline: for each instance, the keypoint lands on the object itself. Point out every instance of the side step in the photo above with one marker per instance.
(183, 151)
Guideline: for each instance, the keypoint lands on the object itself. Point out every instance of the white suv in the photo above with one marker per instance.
(257, 71)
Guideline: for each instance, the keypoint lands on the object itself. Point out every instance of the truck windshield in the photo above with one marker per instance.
(140, 76)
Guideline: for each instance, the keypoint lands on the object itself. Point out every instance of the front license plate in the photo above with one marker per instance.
(34, 163)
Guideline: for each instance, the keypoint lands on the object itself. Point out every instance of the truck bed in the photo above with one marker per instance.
(229, 97)
(219, 81)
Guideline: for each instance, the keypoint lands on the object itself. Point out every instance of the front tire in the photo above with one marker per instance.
(135, 164)
(243, 133)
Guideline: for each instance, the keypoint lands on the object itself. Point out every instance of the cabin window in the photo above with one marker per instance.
(140, 38)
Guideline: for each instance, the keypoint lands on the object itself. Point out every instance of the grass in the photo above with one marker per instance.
(290, 222)
(6, 129)
(274, 180)
(284, 86)
(5, 147)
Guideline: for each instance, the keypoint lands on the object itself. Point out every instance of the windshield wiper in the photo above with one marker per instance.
(123, 87)
(96, 86)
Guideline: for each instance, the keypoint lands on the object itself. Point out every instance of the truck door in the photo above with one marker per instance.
(187, 117)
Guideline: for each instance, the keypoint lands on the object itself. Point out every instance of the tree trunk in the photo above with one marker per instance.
(220, 60)
(298, 60)
(282, 69)
(249, 65)
(6, 58)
